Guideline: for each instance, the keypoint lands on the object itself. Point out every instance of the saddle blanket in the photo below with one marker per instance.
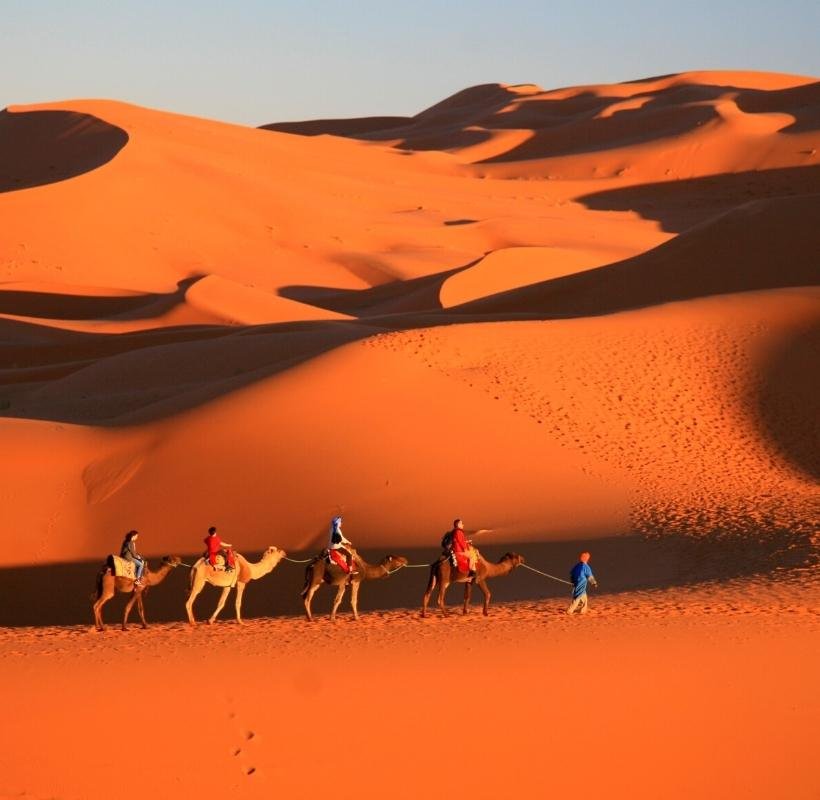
(122, 567)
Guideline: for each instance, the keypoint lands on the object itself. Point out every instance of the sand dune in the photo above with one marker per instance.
(672, 127)
(585, 317)
(262, 355)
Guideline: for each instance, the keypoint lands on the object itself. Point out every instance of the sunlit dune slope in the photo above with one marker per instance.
(204, 324)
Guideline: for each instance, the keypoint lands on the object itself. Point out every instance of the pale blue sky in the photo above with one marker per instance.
(254, 62)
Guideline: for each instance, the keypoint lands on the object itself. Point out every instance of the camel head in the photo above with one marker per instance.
(515, 559)
(275, 553)
(172, 561)
(392, 563)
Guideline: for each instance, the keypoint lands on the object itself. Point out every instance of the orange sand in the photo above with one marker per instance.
(564, 315)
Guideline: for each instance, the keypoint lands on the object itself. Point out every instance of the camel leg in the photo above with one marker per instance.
(354, 598)
(431, 584)
(309, 592)
(106, 593)
(340, 593)
(221, 604)
(141, 608)
(240, 590)
(128, 606)
(442, 590)
(486, 589)
(468, 592)
(197, 586)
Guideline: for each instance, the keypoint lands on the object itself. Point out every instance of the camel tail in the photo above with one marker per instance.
(309, 576)
(432, 582)
(97, 593)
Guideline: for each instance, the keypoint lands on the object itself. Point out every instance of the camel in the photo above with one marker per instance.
(108, 585)
(444, 573)
(245, 572)
(319, 571)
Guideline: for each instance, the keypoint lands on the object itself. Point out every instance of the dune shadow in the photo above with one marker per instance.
(622, 564)
(47, 305)
(802, 102)
(680, 204)
(395, 297)
(49, 373)
(787, 400)
(586, 122)
(728, 255)
(42, 147)
(353, 128)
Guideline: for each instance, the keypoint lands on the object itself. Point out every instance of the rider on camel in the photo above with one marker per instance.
(216, 546)
(128, 551)
(459, 550)
(336, 550)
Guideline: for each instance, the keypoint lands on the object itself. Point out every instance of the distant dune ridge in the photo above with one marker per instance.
(559, 314)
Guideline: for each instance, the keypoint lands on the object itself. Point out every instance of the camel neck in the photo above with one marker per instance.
(501, 568)
(261, 567)
(158, 576)
(373, 571)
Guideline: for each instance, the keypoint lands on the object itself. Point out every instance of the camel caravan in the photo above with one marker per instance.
(339, 565)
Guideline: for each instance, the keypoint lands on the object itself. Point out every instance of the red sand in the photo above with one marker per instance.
(562, 315)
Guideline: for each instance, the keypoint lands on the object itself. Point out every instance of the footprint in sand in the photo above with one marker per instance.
(239, 751)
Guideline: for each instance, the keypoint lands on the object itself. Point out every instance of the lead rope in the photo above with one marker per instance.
(545, 574)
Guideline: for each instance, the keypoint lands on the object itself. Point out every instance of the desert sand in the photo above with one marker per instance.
(579, 318)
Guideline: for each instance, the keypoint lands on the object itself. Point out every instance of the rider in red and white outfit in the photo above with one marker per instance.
(215, 545)
(336, 549)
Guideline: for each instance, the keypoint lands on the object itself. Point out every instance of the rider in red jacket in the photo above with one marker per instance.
(216, 545)
(460, 546)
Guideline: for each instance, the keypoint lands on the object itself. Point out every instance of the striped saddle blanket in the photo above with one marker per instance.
(121, 567)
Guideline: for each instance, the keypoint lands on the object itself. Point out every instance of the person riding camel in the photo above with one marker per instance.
(128, 551)
(336, 550)
(216, 547)
(459, 550)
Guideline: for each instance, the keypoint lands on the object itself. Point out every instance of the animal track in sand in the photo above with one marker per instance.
(246, 737)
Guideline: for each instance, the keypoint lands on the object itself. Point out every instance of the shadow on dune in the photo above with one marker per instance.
(803, 102)
(396, 297)
(788, 400)
(45, 305)
(42, 147)
(29, 597)
(733, 253)
(49, 373)
(351, 128)
(679, 205)
(580, 123)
